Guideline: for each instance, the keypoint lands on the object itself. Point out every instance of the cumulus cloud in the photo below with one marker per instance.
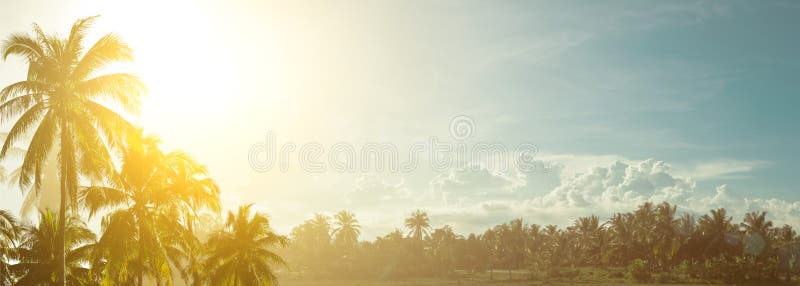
(460, 185)
(473, 198)
(601, 190)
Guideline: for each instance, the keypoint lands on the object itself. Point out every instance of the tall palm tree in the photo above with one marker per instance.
(59, 102)
(418, 225)
(756, 223)
(9, 230)
(622, 229)
(666, 242)
(718, 233)
(756, 229)
(153, 205)
(346, 229)
(320, 227)
(241, 253)
(589, 238)
(38, 252)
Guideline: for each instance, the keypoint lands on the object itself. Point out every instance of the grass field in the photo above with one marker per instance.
(581, 276)
(445, 282)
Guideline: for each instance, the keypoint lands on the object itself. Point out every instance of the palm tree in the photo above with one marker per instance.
(516, 243)
(153, 205)
(666, 240)
(756, 223)
(756, 228)
(346, 229)
(443, 243)
(418, 225)
(718, 233)
(622, 229)
(38, 252)
(320, 227)
(784, 234)
(59, 102)
(589, 238)
(187, 251)
(241, 254)
(9, 230)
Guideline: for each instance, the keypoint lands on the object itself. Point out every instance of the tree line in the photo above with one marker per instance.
(649, 243)
(150, 202)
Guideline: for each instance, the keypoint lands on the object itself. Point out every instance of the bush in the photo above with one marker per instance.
(639, 271)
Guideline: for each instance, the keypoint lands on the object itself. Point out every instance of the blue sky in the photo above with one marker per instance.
(707, 88)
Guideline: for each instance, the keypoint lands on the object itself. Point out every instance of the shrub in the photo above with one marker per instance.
(639, 271)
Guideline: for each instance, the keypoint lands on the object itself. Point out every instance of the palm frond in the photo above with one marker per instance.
(122, 88)
(24, 87)
(110, 48)
(37, 153)
(23, 45)
(77, 34)
(22, 126)
(97, 198)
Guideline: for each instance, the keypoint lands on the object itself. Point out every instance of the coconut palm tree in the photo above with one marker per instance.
(153, 206)
(38, 252)
(622, 231)
(589, 238)
(241, 253)
(320, 227)
(666, 242)
(346, 229)
(9, 230)
(418, 225)
(756, 229)
(757, 223)
(59, 103)
(718, 234)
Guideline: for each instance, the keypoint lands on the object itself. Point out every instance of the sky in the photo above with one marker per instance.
(690, 102)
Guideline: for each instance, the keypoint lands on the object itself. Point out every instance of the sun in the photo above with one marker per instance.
(189, 77)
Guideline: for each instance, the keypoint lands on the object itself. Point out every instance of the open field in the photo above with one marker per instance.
(445, 282)
(581, 276)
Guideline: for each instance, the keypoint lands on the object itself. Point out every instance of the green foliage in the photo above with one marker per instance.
(639, 271)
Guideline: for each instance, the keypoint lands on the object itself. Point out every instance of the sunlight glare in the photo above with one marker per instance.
(189, 77)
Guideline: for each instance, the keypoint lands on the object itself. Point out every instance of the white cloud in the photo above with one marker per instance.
(602, 190)
(373, 188)
(723, 169)
(466, 184)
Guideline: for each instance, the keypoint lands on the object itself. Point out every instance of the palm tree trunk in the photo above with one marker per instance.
(140, 257)
(61, 238)
(68, 181)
